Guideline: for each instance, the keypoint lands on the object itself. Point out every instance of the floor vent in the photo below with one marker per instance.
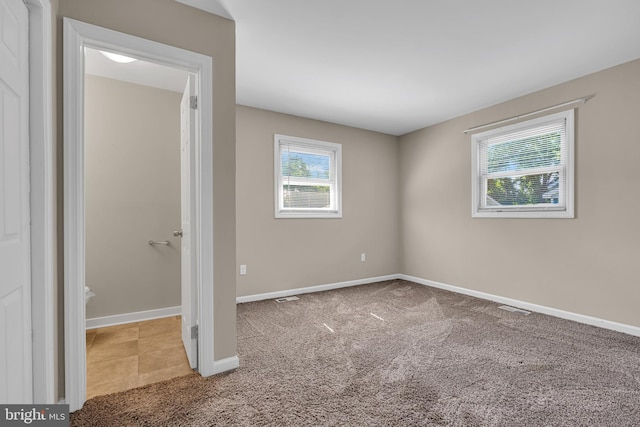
(285, 299)
(514, 310)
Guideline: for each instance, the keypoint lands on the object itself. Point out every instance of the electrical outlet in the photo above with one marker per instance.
(363, 257)
(243, 269)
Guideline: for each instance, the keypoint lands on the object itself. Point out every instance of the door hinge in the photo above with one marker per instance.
(194, 102)
(194, 332)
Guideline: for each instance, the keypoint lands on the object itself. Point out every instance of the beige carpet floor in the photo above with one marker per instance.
(397, 354)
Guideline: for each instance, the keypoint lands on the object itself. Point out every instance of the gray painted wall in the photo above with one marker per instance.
(587, 265)
(132, 196)
(288, 253)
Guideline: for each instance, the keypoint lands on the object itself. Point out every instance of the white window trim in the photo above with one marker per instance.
(525, 211)
(311, 146)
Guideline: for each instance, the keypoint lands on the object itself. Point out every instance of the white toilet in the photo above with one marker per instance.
(88, 293)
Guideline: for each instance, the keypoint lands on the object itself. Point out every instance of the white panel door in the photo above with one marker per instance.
(187, 206)
(15, 257)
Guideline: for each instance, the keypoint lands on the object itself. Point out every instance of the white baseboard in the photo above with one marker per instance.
(580, 318)
(310, 289)
(224, 365)
(138, 316)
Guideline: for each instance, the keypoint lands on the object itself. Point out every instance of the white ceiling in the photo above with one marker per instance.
(397, 66)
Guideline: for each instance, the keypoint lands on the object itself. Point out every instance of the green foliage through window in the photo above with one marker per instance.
(524, 169)
(308, 178)
(540, 151)
(523, 190)
(305, 165)
(295, 166)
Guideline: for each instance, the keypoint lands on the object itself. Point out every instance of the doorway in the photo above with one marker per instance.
(132, 120)
(199, 314)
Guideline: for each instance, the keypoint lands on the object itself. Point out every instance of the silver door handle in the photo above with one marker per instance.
(162, 242)
(177, 233)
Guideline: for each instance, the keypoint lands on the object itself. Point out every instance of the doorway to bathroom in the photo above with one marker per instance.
(96, 193)
(133, 222)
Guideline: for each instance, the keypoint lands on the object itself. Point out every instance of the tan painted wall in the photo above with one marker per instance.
(132, 195)
(175, 24)
(587, 265)
(292, 253)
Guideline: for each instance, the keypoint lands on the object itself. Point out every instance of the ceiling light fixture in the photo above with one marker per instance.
(118, 58)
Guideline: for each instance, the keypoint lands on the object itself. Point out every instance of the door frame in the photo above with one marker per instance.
(43, 202)
(78, 35)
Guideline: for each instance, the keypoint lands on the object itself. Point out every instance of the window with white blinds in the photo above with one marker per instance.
(307, 178)
(525, 170)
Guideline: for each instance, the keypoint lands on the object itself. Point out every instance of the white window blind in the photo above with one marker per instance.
(524, 168)
(307, 177)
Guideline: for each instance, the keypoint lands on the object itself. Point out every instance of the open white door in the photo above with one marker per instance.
(15, 255)
(187, 207)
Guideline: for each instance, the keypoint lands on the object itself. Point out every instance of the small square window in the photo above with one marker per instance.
(307, 178)
(524, 170)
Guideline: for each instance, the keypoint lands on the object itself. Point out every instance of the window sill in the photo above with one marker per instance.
(567, 214)
(308, 215)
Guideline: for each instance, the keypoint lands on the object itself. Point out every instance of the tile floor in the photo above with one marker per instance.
(135, 354)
